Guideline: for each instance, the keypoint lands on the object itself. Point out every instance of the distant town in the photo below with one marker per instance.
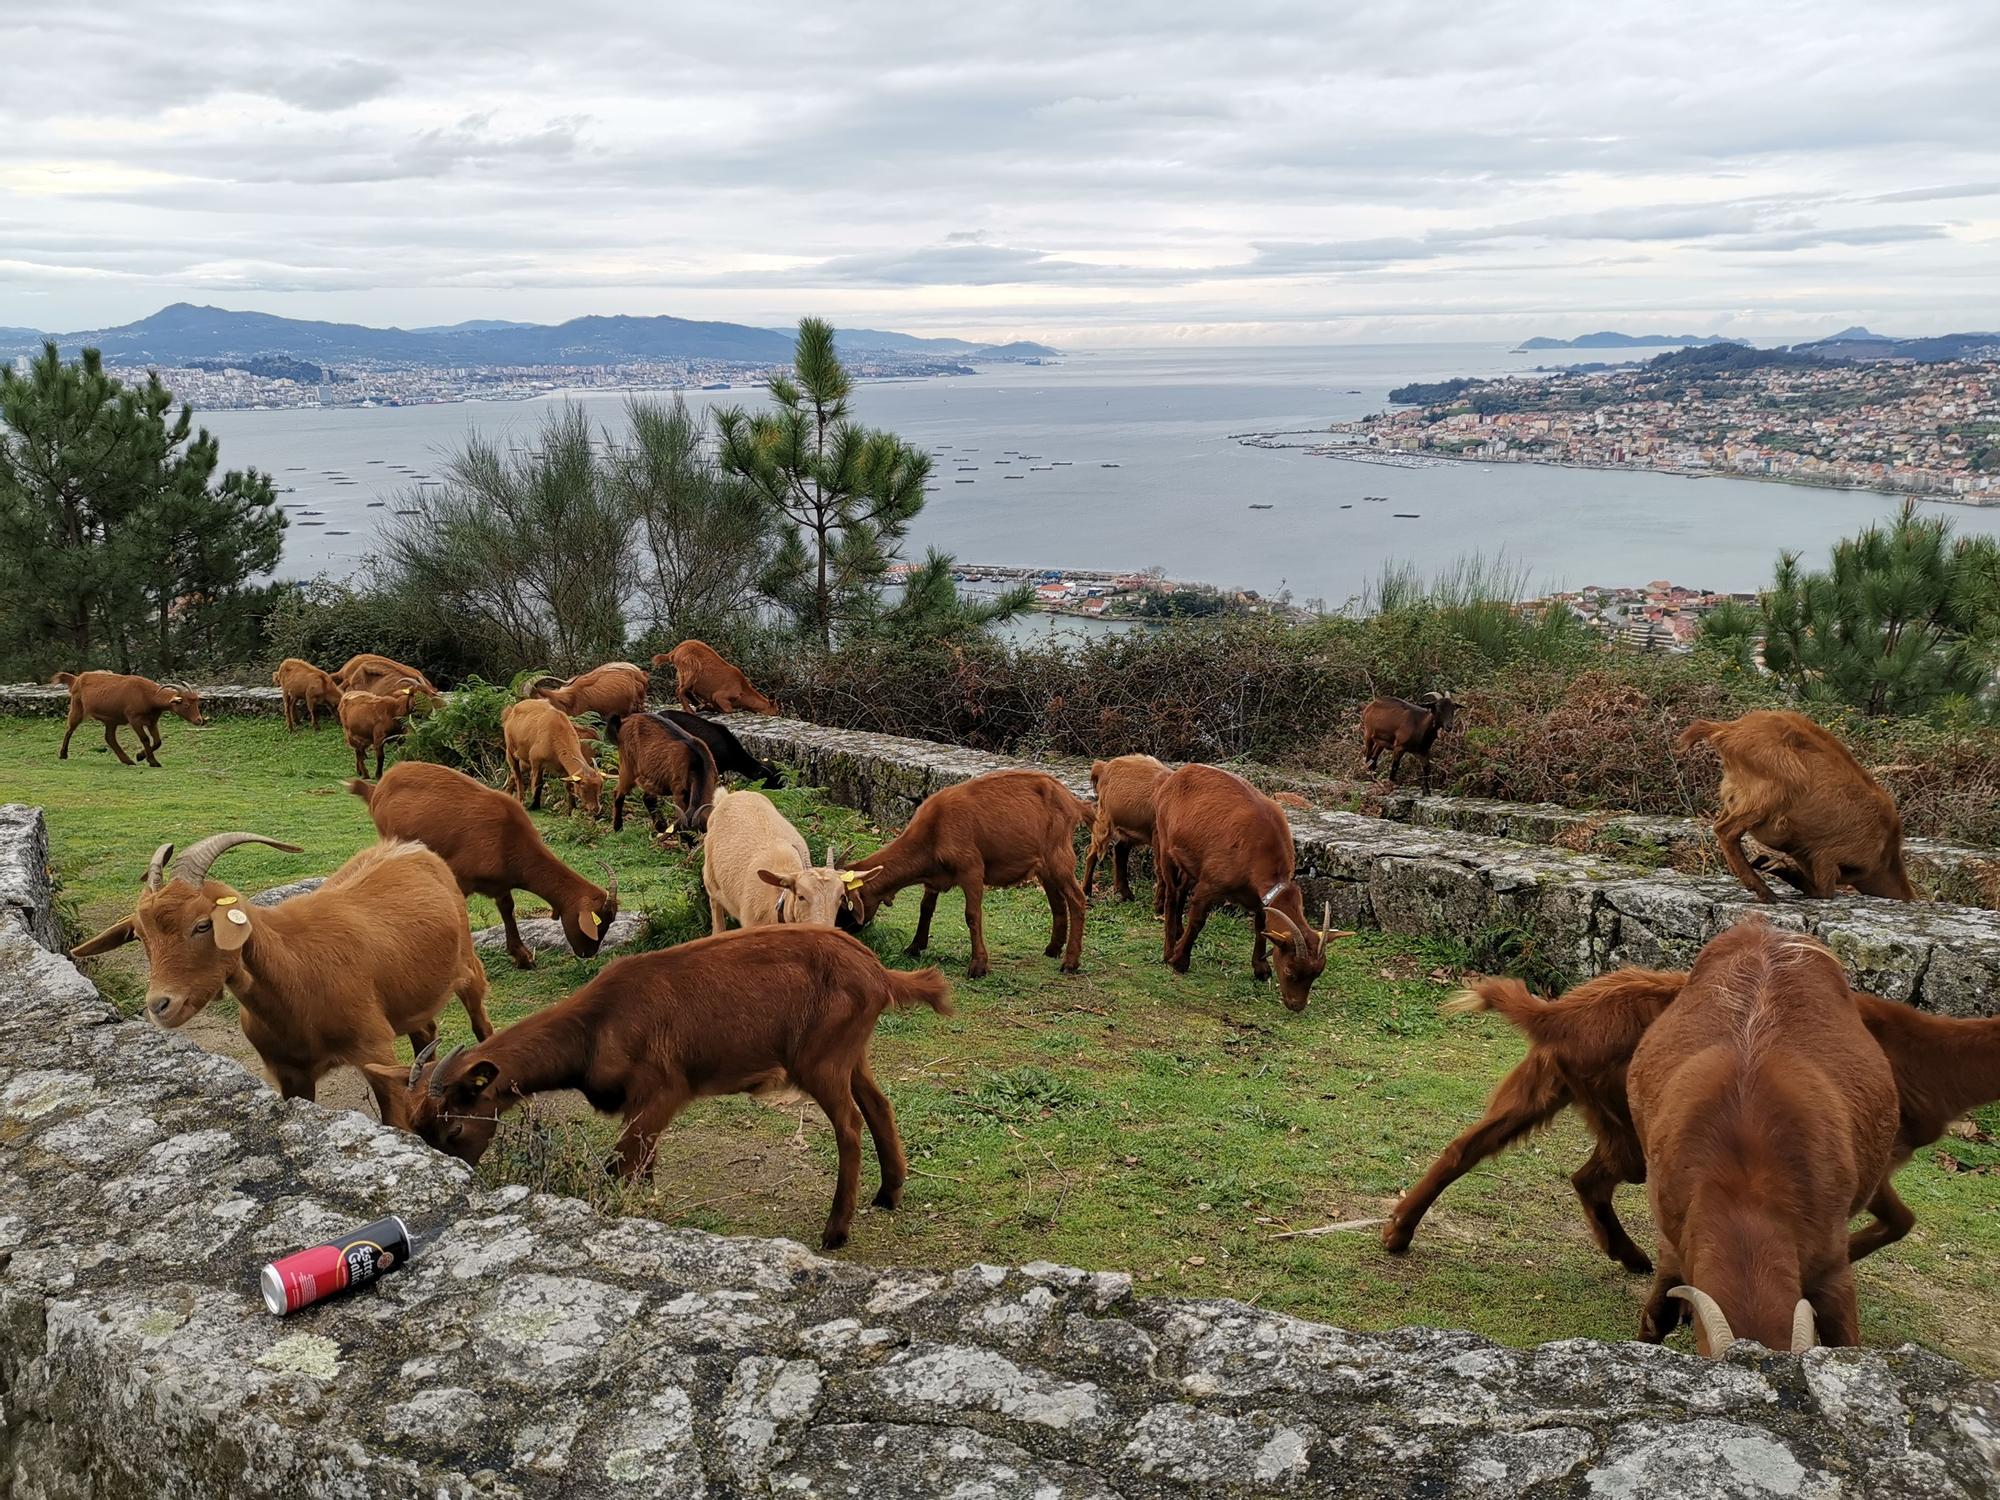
(1927, 429)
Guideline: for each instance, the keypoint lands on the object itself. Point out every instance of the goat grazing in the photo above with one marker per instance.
(540, 738)
(1406, 728)
(744, 1012)
(731, 758)
(1579, 1048)
(662, 759)
(1767, 1113)
(757, 869)
(705, 679)
(368, 719)
(492, 848)
(1794, 787)
(612, 691)
(305, 685)
(136, 702)
(369, 673)
(1003, 828)
(1123, 818)
(329, 977)
(1217, 838)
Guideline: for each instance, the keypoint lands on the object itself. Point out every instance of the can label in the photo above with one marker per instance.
(353, 1260)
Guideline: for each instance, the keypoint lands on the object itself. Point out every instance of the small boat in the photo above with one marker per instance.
(1407, 515)
(340, 533)
(965, 481)
(312, 523)
(409, 512)
(376, 504)
(1107, 466)
(1260, 507)
(1347, 507)
(1013, 476)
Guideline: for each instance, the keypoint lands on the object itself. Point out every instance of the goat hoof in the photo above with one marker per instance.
(1262, 976)
(889, 1197)
(975, 971)
(1071, 968)
(1052, 950)
(523, 959)
(1637, 1264)
(833, 1239)
(1396, 1236)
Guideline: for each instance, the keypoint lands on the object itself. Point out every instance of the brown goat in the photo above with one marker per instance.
(1406, 728)
(1794, 787)
(1217, 838)
(705, 680)
(746, 1012)
(302, 683)
(539, 737)
(492, 848)
(367, 720)
(329, 977)
(611, 691)
(1767, 1113)
(369, 673)
(1579, 1050)
(136, 702)
(1123, 820)
(1003, 828)
(663, 760)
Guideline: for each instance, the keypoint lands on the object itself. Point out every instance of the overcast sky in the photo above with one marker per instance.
(1095, 173)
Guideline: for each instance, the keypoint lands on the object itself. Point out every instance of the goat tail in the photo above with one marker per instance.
(1517, 1004)
(1697, 733)
(64, 679)
(1080, 811)
(920, 987)
(361, 789)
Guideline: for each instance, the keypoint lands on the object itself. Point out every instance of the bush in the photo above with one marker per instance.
(464, 731)
(325, 622)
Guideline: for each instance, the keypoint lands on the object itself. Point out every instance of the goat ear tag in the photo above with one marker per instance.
(227, 901)
(241, 919)
(851, 880)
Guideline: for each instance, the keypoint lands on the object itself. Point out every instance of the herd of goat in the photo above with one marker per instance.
(1761, 1099)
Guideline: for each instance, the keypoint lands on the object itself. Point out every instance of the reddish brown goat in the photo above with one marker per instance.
(540, 738)
(326, 978)
(612, 691)
(1003, 828)
(369, 673)
(663, 760)
(493, 849)
(1581, 1046)
(747, 1012)
(1794, 787)
(136, 702)
(1767, 1113)
(705, 680)
(1123, 820)
(1406, 728)
(1217, 838)
(367, 720)
(304, 684)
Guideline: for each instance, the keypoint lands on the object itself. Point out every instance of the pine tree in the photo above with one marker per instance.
(111, 529)
(847, 494)
(1906, 616)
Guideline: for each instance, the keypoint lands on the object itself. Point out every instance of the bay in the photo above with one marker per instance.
(1130, 459)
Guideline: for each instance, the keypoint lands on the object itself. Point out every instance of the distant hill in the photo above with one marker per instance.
(1859, 343)
(1610, 340)
(184, 334)
(876, 340)
(1019, 349)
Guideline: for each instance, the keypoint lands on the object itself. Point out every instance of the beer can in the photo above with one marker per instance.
(308, 1276)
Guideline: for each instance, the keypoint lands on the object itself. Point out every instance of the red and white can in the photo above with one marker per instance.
(308, 1276)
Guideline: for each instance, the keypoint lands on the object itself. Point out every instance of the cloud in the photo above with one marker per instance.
(335, 85)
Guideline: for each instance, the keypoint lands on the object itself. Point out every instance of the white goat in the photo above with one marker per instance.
(756, 868)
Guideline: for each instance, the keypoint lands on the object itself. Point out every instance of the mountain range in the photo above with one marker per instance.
(183, 333)
(1859, 343)
(1610, 340)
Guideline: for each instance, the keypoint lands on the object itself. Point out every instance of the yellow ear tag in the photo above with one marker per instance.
(225, 900)
(851, 880)
(241, 919)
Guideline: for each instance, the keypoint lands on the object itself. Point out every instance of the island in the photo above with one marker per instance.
(1609, 340)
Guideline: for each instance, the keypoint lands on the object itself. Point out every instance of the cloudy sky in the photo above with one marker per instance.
(1093, 173)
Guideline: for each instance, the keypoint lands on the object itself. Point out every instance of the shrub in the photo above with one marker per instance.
(464, 731)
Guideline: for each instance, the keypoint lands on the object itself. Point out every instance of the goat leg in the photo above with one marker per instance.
(111, 739)
(881, 1118)
(921, 939)
(519, 951)
(1729, 838)
(1662, 1313)
(1196, 919)
(975, 926)
(1893, 1220)
(641, 1135)
(1595, 1181)
(1527, 1099)
(1260, 962)
(1835, 1309)
(1073, 947)
(75, 719)
(835, 1096)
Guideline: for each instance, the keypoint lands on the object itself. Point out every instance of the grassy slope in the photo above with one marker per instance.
(1118, 1118)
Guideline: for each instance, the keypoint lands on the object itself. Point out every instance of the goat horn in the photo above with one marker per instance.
(1805, 1332)
(1708, 1318)
(833, 856)
(610, 883)
(156, 872)
(1326, 922)
(192, 867)
(436, 1089)
(417, 1066)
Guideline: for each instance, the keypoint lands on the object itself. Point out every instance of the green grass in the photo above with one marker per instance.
(1121, 1118)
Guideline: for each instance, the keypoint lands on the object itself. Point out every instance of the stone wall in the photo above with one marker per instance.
(1593, 911)
(536, 1348)
(226, 699)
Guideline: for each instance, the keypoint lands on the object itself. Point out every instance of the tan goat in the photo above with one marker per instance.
(369, 673)
(136, 702)
(541, 738)
(757, 869)
(1125, 788)
(330, 977)
(368, 719)
(302, 683)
